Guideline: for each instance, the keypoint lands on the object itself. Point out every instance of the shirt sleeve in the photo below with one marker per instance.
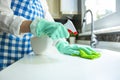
(46, 10)
(8, 21)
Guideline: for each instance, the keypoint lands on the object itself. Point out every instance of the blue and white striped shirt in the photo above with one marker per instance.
(28, 9)
(12, 48)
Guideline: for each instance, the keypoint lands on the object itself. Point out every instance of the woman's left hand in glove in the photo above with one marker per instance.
(77, 50)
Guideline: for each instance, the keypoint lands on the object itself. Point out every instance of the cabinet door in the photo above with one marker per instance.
(69, 6)
(54, 8)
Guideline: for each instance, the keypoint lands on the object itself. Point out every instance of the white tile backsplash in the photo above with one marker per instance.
(115, 46)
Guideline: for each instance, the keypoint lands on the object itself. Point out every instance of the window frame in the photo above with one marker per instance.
(112, 20)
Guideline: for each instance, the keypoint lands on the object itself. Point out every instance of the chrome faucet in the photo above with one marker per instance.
(93, 41)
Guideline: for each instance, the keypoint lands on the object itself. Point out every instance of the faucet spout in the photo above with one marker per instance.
(93, 41)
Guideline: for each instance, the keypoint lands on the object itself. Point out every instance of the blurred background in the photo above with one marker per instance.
(106, 17)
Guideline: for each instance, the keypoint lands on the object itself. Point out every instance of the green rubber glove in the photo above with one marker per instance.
(54, 30)
(77, 50)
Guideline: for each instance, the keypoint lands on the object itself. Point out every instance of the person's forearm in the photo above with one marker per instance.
(25, 26)
(10, 23)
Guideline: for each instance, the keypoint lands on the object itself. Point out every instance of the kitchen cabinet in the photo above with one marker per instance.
(54, 8)
(59, 8)
(69, 6)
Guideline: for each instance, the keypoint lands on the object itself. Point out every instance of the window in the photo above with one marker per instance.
(106, 13)
(101, 8)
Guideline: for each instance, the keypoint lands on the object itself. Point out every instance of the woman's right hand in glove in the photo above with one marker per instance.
(54, 30)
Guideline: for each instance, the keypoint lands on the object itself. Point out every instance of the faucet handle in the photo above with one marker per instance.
(94, 41)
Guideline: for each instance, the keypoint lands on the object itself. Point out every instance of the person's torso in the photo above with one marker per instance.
(29, 9)
(12, 47)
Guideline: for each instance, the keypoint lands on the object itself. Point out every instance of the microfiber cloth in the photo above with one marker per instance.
(82, 54)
